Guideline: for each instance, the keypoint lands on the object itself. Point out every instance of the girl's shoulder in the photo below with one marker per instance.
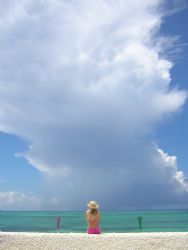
(87, 212)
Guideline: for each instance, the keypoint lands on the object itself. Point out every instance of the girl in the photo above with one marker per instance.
(93, 218)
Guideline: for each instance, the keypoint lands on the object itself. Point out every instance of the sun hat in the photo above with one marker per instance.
(93, 205)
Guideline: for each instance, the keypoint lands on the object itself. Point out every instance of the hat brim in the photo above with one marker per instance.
(93, 207)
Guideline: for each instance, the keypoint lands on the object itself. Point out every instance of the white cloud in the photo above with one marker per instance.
(84, 84)
(171, 161)
(18, 200)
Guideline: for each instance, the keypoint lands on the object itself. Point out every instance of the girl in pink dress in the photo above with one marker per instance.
(93, 218)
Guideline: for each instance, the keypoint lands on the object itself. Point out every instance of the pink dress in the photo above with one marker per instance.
(94, 230)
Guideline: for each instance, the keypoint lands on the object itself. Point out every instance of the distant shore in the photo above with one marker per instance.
(110, 241)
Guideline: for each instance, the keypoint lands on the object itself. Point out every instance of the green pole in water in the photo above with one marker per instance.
(140, 222)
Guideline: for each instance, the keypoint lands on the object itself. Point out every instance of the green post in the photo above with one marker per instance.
(140, 222)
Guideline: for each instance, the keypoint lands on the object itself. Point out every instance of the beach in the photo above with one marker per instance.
(107, 241)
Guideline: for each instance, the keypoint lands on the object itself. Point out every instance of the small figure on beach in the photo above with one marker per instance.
(58, 220)
(140, 222)
(93, 218)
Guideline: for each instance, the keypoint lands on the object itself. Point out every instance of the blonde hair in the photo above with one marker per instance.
(93, 211)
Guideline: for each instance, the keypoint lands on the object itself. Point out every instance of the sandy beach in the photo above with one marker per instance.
(110, 241)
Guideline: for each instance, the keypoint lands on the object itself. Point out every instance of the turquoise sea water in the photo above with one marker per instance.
(152, 221)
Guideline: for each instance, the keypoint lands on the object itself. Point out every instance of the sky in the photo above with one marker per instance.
(93, 104)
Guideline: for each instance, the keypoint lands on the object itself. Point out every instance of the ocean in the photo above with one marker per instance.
(151, 221)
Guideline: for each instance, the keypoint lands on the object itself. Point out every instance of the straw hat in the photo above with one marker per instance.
(93, 205)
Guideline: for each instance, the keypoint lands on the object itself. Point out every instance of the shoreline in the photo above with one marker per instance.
(83, 241)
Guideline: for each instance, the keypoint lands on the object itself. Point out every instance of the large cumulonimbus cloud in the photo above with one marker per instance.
(84, 83)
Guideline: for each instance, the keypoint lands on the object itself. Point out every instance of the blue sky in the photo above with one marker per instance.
(88, 102)
(17, 173)
(173, 134)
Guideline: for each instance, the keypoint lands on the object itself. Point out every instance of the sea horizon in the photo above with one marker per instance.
(172, 209)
